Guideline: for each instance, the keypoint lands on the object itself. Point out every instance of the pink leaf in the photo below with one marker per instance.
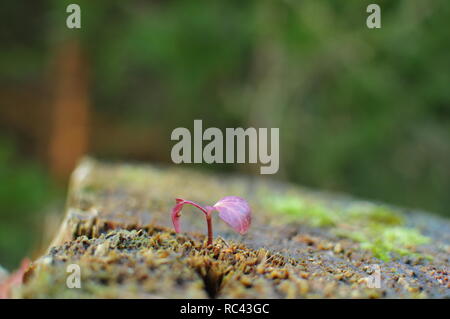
(236, 212)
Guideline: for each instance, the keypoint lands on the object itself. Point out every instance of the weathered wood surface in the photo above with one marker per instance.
(117, 227)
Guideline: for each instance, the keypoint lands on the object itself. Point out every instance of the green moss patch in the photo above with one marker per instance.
(377, 228)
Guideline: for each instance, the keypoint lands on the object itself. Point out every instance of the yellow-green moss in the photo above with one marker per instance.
(377, 228)
(311, 213)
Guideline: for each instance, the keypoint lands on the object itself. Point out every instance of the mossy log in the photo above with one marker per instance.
(302, 244)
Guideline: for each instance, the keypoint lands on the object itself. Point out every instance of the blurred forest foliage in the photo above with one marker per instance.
(360, 111)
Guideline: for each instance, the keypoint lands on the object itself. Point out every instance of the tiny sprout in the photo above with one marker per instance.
(234, 210)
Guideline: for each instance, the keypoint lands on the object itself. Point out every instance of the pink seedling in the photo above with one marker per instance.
(234, 210)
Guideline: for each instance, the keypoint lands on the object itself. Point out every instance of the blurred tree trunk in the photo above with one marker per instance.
(70, 109)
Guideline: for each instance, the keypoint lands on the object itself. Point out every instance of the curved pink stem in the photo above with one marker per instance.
(195, 205)
(176, 213)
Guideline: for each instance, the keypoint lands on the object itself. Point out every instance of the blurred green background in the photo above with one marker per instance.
(360, 111)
